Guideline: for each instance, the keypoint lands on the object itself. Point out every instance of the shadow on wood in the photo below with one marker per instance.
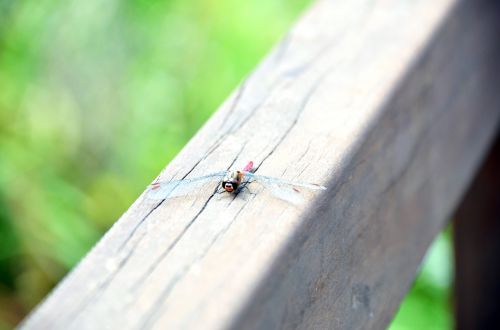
(477, 249)
(356, 255)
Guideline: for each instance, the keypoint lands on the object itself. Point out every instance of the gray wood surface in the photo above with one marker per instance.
(390, 104)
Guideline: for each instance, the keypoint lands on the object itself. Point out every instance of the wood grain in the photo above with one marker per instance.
(390, 104)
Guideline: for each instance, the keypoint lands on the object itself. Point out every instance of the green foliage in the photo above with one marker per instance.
(95, 98)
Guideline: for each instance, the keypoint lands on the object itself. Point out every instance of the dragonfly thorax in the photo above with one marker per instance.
(232, 181)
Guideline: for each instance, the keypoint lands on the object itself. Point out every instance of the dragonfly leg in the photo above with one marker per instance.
(244, 185)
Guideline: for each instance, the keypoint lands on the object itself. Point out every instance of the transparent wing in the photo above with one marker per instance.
(251, 177)
(287, 190)
(178, 188)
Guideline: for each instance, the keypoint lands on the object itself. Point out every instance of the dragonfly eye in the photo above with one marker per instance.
(228, 186)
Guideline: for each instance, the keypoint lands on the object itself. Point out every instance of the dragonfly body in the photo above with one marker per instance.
(233, 180)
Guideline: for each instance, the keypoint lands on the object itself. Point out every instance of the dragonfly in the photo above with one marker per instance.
(233, 182)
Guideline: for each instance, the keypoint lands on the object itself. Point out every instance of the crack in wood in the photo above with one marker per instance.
(301, 108)
(132, 232)
(236, 102)
(153, 316)
(299, 160)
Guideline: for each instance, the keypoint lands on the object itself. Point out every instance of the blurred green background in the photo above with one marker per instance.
(96, 97)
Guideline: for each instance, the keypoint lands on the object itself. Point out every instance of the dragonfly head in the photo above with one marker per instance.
(231, 181)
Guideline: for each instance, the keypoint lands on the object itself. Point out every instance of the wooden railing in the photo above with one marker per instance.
(391, 105)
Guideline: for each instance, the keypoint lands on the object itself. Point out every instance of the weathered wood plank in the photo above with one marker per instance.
(390, 104)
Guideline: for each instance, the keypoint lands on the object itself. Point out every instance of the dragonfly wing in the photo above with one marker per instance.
(290, 191)
(179, 188)
(288, 194)
(282, 182)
